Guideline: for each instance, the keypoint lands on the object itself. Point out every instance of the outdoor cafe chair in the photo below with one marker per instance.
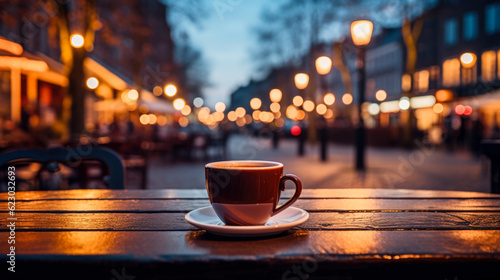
(78, 158)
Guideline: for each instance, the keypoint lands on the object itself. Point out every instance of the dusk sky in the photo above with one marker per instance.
(225, 39)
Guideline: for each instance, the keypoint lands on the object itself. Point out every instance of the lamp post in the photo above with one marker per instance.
(301, 82)
(361, 32)
(323, 67)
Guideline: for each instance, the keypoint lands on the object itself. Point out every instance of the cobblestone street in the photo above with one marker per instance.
(422, 168)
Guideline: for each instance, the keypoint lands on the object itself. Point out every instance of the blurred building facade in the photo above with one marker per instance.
(133, 49)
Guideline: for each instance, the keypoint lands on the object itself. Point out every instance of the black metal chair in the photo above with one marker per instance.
(72, 157)
(491, 148)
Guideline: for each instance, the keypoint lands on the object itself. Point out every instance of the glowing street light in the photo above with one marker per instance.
(133, 94)
(381, 95)
(329, 99)
(468, 60)
(255, 103)
(275, 95)
(179, 103)
(170, 90)
(347, 98)
(220, 107)
(301, 80)
(92, 83)
(298, 100)
(323, 65)
(77, 40)
(308, 106)
(361, 32)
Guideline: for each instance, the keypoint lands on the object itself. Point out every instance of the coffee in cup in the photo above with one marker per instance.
(247, 192)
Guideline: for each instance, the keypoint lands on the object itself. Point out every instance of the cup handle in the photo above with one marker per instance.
(298, 191)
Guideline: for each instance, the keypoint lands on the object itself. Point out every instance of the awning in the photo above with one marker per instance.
(154, 104)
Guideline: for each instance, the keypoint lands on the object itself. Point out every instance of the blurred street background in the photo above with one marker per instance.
(379, 94)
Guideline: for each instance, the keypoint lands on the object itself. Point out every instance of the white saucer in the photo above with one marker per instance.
(205, 218)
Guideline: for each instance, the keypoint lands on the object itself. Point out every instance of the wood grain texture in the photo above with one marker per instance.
(317, 221)
(201, 194)
(311, 205)
(333, 245)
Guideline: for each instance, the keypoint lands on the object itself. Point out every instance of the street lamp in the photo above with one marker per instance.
(468, 60)
(301, 82)
(77, 40)
(361, 32)
(323, 67)
(170, 90)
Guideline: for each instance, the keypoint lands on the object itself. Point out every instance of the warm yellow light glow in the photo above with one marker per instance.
(186, 110)
(406, 82)
(347, 98)
(323, 65)
(144, 119)
(11, 47)
(404, 103)
(329, 99)
(240, 112)
(389, 106)
(300, 115)
(232, 116)
(422, 101)
(157, 90)
(170, 90)
(133, 94)
(275, 107)
(468, 60)
(328, 114)
(162, 120)
(255, 103)
(266, 117)
(256, 115)
(291, 112)
(203, 113)
(179, 103)
(298, 100)
(308, 105)
(77, 40)
(381, 95)
(92, 83)
(152, 118)
(183, 121)
(220, 107)
(321, 109)
(443, 95)
(361, 32)
(373, 109)
(301, 80)
(438, 108)
(23, 63)
(275, 95)
(218, 116)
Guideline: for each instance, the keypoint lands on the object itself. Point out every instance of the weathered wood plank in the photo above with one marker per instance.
(197, 255)
(189, 245)
(182, 205)
(201, 194)
(317, 221)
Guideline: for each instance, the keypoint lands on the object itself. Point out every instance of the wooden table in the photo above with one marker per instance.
(351, 234)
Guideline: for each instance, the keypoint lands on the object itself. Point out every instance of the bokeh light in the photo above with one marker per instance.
(255, 103)
(347, 98)
(170, 90)
(275, 95)
(381, 95)
(220, 107)
(92, 83)
(329, 99)
(179, 103)
(308, 105)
